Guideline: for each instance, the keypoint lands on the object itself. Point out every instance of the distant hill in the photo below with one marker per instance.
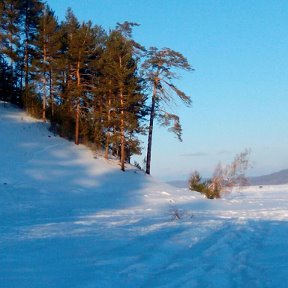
(179, 183)
(277, 178)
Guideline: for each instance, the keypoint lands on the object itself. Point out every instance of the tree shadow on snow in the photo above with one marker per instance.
(48, 176)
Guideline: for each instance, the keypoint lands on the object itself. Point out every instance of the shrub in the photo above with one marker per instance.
(203, 186)
(224, 178)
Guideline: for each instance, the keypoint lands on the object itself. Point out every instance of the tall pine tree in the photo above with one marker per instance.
(10, 29)
(31, 13)
(123, 90)
(81, 54)
(48, 46)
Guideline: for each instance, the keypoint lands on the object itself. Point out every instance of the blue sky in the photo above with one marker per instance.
(239, 87)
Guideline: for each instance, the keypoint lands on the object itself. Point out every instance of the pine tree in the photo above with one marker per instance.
(81, 54)
(48, 46)
(123, 92)
(159, 69)
(31, 12)
(10, 25)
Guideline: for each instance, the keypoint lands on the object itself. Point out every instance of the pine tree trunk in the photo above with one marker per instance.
(150, 133)
(11, 82)
(99, 128)
(26, 60)
(44, 78)
(78, 105)
(26, 76)
(51, 94)
(108, 125)
(77, 125)
(44, 94)
(44, 101)
(108, 133)
(122, 129)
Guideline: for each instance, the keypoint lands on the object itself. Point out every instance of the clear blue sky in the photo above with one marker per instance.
(239, 50)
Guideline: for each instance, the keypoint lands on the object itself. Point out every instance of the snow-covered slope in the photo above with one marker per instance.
(70, 219)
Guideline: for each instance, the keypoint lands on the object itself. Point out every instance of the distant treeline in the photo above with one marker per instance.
(94, 86)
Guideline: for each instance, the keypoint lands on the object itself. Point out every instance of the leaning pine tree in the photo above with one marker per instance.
(159, 69)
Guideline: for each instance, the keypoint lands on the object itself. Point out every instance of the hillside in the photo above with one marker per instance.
(69, 218)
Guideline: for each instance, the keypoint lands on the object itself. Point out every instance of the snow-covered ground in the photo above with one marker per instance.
(71, 219)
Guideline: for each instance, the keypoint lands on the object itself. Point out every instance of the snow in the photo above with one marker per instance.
(69, 218)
